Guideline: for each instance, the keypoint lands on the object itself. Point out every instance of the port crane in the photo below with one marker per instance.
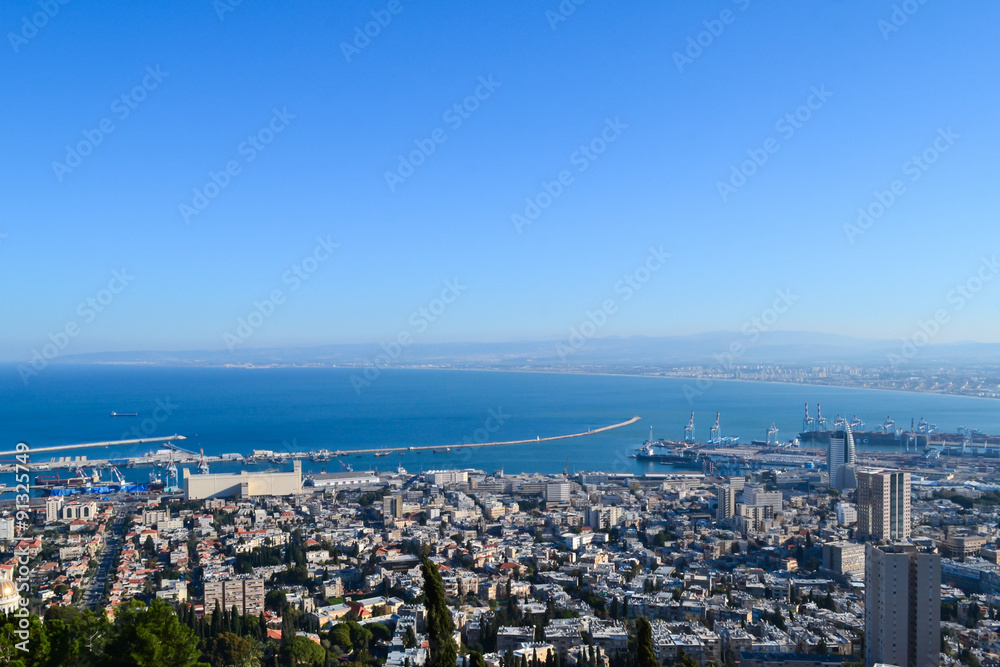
(820, 419)
(857, 424)
(839, 423)
(202, 463)
(715, 434)
(689, 429)
(172, 471)
(888, 426)
(807, 421)
(772, 435)
(117, 476)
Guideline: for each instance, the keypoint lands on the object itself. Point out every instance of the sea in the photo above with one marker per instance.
(238, 410)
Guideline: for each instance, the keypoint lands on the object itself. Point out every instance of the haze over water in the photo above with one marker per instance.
(230, 410)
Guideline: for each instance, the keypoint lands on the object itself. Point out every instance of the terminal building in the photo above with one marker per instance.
(243, 484)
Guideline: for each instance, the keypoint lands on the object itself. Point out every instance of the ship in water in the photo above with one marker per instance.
(93, 484)
(920, 436)
(124, 414)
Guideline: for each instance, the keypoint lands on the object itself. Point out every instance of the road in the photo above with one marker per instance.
(113, 544)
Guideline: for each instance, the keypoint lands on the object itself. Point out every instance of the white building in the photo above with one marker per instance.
(443, 477)
(847, 514)
(7, 529)
(243, 484)
(841, 453)
(754, 495)
(557, 492)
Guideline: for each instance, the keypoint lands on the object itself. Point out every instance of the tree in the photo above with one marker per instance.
(304, 651)
(276, 600)
(644, 644)
(228, 649)
(18, 650)
(440, 626)
(75, 637)
(150, 637)
(476, 660)
(340, 635)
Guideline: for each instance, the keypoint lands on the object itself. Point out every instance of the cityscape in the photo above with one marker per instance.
(556, 333)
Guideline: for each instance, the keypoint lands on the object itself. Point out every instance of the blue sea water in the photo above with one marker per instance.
(300, 409)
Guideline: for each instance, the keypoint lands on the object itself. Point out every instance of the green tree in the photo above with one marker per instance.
(440, 626)
(149, 637)
(646, 656)
(304, 651)
(340, 635)
(17, 650)
(228, 650)
(476, 660)
(75, 637)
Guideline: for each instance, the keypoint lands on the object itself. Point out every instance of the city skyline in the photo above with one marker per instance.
(494, 175)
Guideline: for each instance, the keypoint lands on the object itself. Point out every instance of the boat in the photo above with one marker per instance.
(446, 450)
(124, 414)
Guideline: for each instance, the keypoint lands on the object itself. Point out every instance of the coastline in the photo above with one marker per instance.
(539, 371)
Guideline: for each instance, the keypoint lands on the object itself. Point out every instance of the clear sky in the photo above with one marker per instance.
(198, 80)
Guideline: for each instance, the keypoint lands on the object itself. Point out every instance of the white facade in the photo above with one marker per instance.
(754, 495)
(7, 529)
(557, 492)
(442, 477)
(243, 484)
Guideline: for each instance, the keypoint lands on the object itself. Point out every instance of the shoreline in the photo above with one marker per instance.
(548, 371)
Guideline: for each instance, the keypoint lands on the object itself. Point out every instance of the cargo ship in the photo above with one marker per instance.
(93, 484)
(920, 435)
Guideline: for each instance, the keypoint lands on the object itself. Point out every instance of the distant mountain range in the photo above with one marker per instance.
(780, 347)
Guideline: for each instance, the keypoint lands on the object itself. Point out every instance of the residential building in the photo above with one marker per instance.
(902, 606)
(883, 505)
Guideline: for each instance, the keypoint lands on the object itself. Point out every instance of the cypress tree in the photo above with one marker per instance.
(217, 620)
(644, 644)
(440, 626)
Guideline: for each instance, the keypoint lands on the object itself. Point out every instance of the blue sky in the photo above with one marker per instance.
(680, 131)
